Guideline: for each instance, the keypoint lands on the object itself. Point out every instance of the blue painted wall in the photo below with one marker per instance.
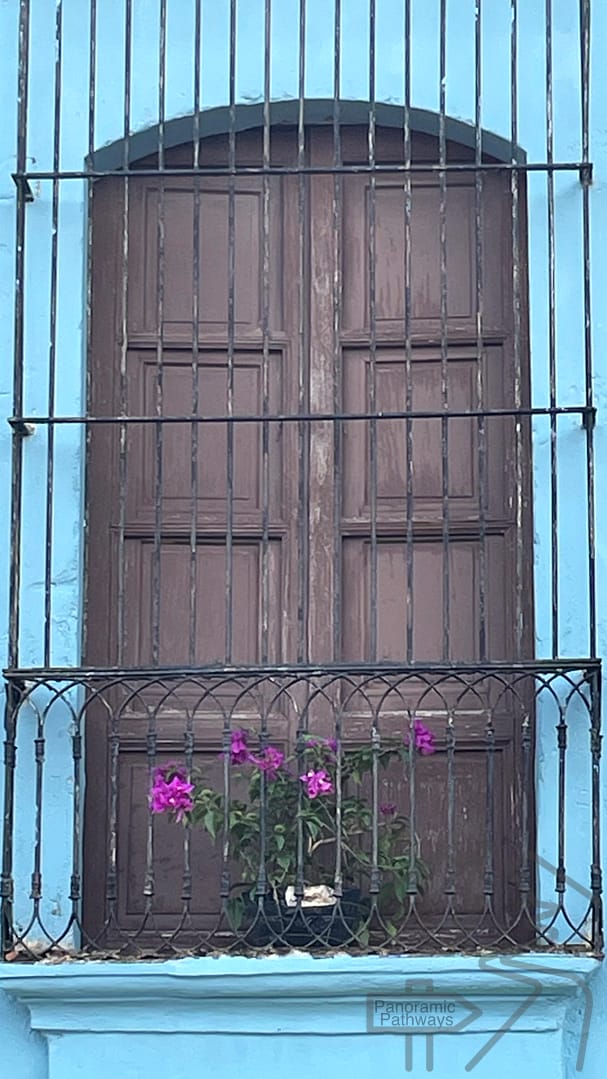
(67, 531)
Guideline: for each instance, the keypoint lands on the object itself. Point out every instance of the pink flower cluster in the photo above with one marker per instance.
(423, 738)
(171, 792)
(269, 760)
(317, 782)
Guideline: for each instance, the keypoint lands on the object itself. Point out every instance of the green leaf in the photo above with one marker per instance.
(210, 824)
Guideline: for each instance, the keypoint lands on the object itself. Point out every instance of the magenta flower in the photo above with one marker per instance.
(316, 783)
(387, 809)
(171, 795)
(270, 761)
(239, 751)
(324, 743)
(423, 737)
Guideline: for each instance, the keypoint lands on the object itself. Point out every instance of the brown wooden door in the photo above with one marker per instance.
(171, 521)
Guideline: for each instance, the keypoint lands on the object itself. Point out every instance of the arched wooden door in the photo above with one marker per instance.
(323, 542)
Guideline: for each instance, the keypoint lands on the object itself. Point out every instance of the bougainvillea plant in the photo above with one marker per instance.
(303, 815)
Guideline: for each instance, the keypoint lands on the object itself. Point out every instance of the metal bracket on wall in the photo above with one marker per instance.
(21, 427)
(23, 186)
(586, 173)
(589, 418)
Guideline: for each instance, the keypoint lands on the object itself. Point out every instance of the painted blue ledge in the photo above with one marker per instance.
(295, 993)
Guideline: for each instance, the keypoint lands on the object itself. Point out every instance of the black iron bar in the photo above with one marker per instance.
(588, 364)
(92, 87)
(7, 885)
(39, 745)
(527, 802)
(407, 314)
(22, 177)
(231, 308)
(554, 507)
(480, 345)
(561, 732)
(308, 417)
(159, 374)
(372, 390)
(517, 343)
(265, 318)
(596, 876)
(541, 666)
(302, 374)
(52, 359)
(14, 600)
(450, 865)
(338, 439)
(444, 334)
(195, 378)
(189, 736)
(489, 874)
(124, 338)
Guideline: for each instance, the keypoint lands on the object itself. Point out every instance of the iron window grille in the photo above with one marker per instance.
(93, 702)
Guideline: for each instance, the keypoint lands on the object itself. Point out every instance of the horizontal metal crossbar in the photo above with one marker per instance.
(20, 422)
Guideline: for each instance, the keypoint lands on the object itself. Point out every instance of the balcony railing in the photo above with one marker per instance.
(431, 808)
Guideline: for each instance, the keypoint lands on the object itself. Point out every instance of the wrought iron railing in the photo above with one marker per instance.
(492, 863)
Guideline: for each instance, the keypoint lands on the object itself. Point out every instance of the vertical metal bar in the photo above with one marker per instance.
(526, 810)
(231, 332)
(159, 381)
(149, 884)
(36, 882)
(337, 364)
(444, 343)
(479, 297)
(224, 890)
(124, 340)
(585, 103)
(265, 576)
(50, 435)
(375, 875)
(262, 876)
(302, 396)
(408, 343)
(189, 738)
(561, 731)
(11, 705)
(489, 876)
(111, 884)
(89, 306)
(338, 878)
(372, 338)
(596, 884)
(413, 877)
(552, 340)
(516, 303)
(450, 864)
(194, 429)
(76, 874)
(17, 443)
(337, 203)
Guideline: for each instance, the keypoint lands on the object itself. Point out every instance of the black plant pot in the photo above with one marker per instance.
(276, 924)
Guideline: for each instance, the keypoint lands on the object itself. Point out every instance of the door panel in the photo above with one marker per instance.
(273, 546)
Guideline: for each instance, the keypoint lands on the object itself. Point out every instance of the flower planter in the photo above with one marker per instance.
(281, 925)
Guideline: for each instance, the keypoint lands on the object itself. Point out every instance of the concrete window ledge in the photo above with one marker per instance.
(538, 1005)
